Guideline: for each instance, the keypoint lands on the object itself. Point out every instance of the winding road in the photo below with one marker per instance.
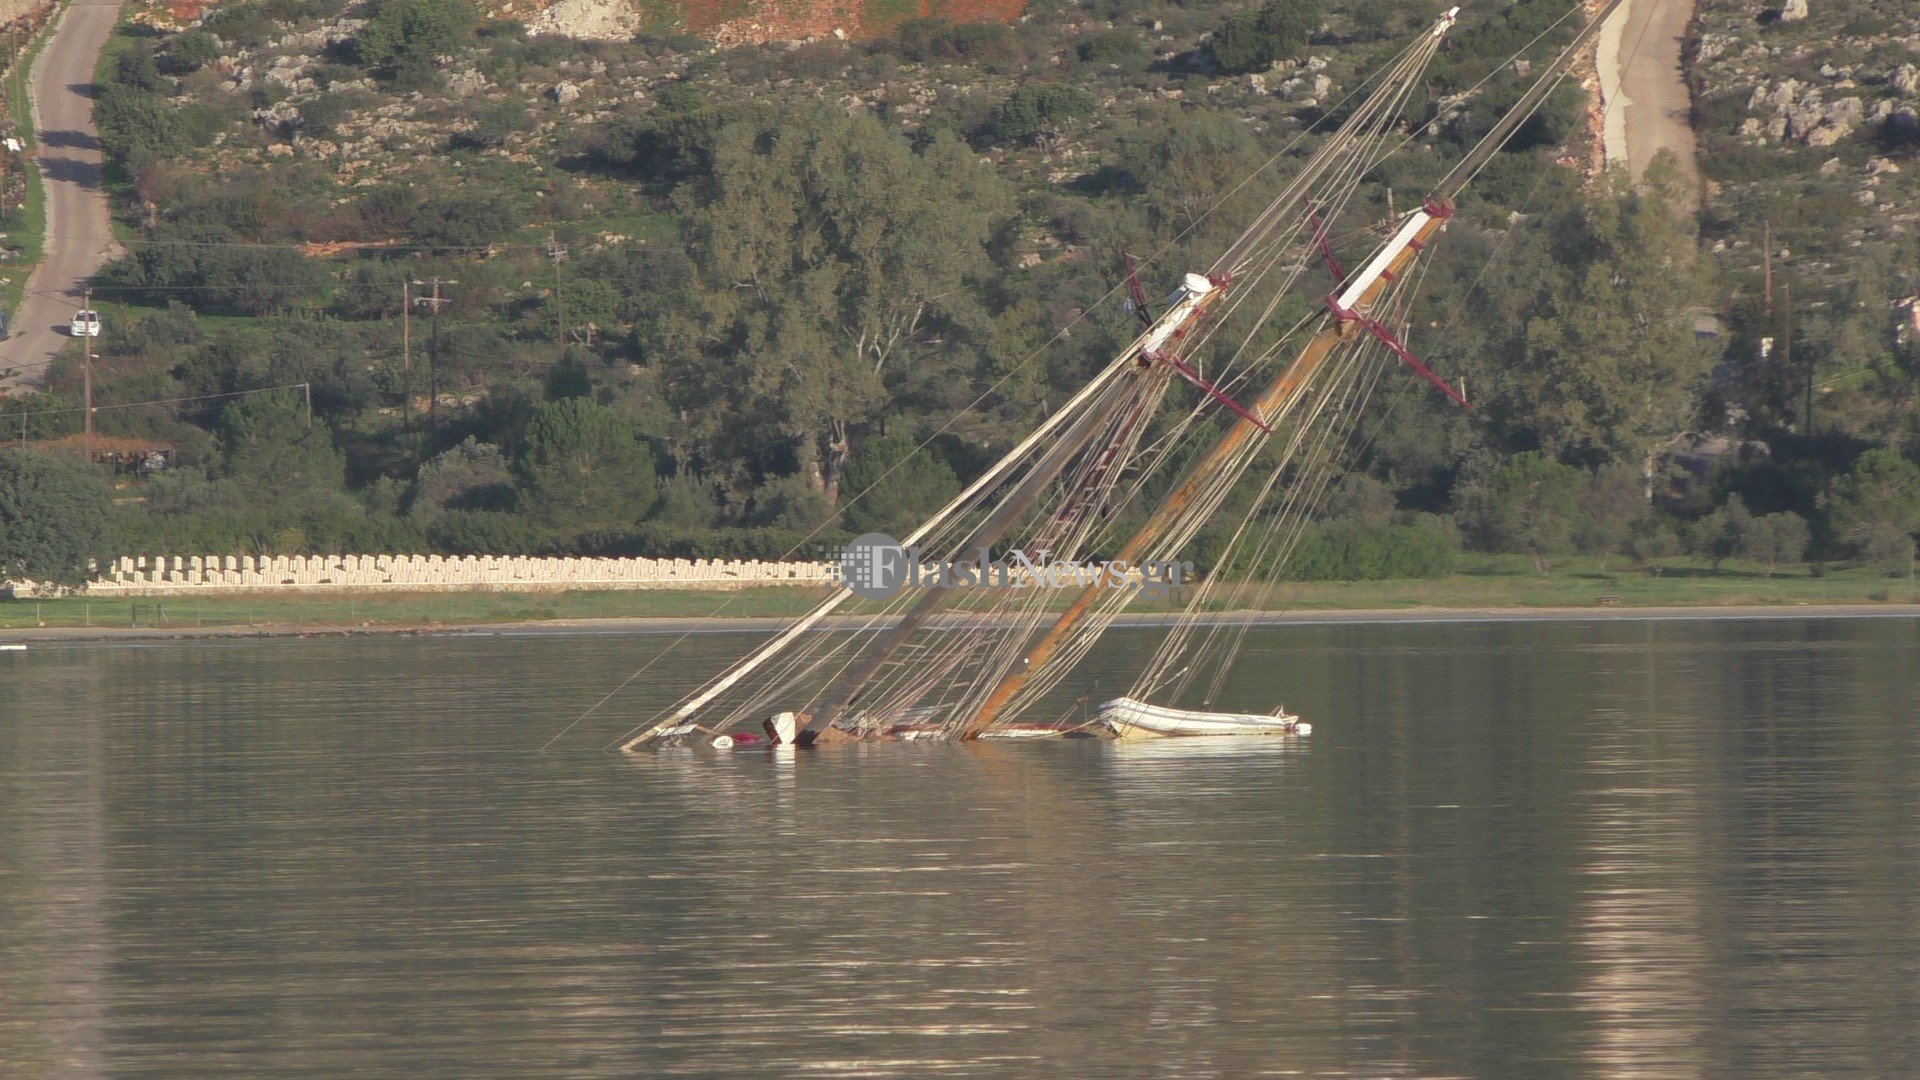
(79, 234)
(1643, 88)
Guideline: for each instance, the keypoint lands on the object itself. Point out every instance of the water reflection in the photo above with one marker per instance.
(1625, 849)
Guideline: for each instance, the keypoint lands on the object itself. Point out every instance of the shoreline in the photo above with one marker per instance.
(760, 624)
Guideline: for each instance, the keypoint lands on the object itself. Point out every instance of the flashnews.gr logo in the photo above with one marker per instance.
(877, 567)
(873, 566)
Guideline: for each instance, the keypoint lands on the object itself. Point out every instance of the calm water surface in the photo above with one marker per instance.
(1624, 849)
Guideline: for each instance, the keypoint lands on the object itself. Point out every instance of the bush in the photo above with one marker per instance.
(247, 25)
(193, 50)
(493, 123)
(1037, 108)
(1351, 551)
(1122, 47)
(924, 40)
(484, 532)
(404, 32)
(1255, 39)
(464, 221)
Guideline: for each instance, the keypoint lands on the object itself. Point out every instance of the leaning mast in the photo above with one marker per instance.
(1350, 307)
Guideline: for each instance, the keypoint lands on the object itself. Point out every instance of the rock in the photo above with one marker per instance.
(1322, 86)
(1880, 167)
(1794, 11)
(1830, 166)
(1776, 100)
(1818, 124)
(564, 92)
(467, 83)
(1907, 79)
(602, 20)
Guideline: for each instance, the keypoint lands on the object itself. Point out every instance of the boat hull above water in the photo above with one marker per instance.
(1131, 719)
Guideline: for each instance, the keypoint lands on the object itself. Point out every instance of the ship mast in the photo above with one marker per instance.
(1350, 307)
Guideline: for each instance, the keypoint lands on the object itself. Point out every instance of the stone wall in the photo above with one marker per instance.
(215, 574)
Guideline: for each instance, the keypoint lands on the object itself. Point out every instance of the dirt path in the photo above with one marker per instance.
(79, 231)
(1644, 89)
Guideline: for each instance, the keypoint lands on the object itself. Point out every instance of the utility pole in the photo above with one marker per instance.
(1766, 273)
(86, 344)
(558, 253)
(406, 353)
(433, 349)
(1786, 353)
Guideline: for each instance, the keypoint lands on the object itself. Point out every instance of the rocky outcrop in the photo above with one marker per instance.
(595, 20)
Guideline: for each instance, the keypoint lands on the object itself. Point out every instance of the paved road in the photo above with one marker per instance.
(79, 232)
(1645, 91)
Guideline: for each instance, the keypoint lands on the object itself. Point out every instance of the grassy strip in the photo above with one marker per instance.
(30, 238)
(1484, 583)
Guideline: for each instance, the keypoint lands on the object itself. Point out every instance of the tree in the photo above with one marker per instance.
(583, 466)
(1604, 364)
(55, 520)
(1610, 503)
(1193, 168)
(832, 259)
(897, 485)
(1877, 504)
(403, 31)
(1527, 505)
(471, 476)
(1721, 534)
(268, 448)
(1776, 538)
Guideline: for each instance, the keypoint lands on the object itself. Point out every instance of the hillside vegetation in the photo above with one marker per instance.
(695, 298)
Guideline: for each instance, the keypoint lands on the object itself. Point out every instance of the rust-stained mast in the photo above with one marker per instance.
(1350, 306)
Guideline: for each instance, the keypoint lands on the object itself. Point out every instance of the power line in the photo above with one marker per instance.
(167, 401)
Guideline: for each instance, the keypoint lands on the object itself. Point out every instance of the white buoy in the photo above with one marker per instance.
(723, 742)
(786, 725)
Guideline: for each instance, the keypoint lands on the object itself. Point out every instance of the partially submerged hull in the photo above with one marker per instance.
(1131, 719)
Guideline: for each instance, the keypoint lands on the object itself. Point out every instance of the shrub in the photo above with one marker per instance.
(193, 50)
(1037, 108)
(1351, 551)
(1255, 39)
(493, 123)
(404, 32)
(464, 221)
(1122, 47)
(484, 532)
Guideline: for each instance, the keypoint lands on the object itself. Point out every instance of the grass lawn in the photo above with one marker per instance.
(1482, 582)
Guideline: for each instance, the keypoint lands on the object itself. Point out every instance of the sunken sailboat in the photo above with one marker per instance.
(1125, 474)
